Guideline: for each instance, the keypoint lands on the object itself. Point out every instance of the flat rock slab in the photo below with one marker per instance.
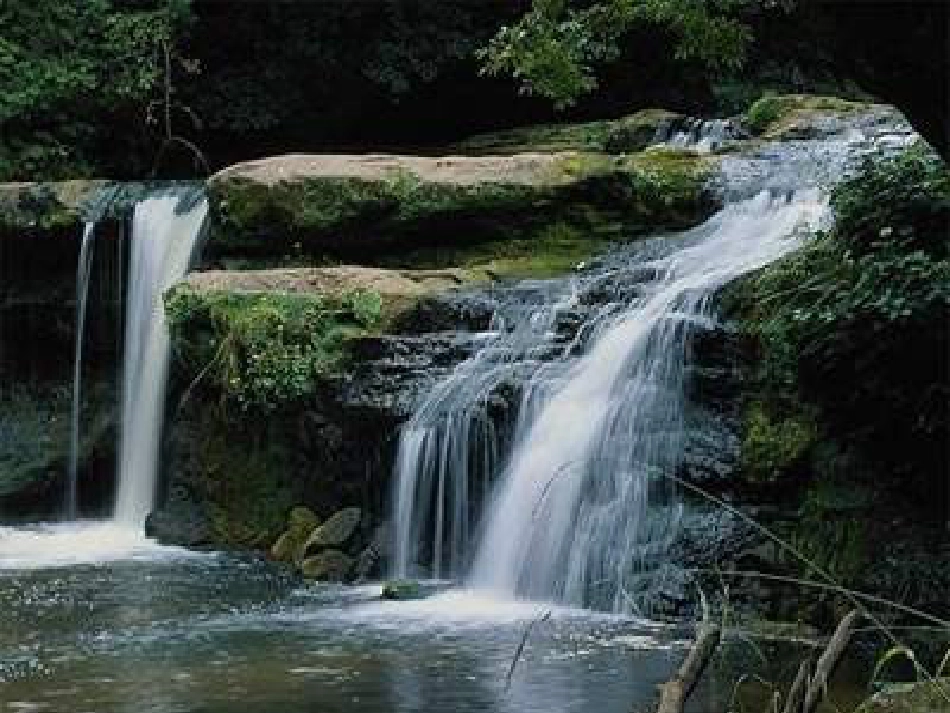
(520, 169)
(329, 280)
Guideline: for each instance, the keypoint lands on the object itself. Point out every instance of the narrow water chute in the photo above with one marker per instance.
(163, 241)
(83, 270)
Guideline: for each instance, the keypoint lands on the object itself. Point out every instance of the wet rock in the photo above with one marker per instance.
(336, 531)
(372, 560)
(300, 524)
(180, 522)
(327, 566)
(402, 590)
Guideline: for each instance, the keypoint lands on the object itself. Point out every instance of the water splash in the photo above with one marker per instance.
(163, 241)
(82, 293)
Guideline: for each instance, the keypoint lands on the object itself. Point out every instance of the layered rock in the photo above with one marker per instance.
(380, 209)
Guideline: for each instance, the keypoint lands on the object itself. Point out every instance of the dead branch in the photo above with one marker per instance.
(829, 660)
(673, 693)
(796, 694)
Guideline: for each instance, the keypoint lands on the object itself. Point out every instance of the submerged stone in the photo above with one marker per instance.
(402, 590)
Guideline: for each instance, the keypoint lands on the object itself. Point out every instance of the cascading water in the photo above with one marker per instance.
(163, 241)
(576, 504)
(82, 292)
(585, 510)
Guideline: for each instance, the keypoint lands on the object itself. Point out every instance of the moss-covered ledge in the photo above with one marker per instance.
(633, 132)
(379, 209)
(46, 206)
(259, 419)
(801, 116)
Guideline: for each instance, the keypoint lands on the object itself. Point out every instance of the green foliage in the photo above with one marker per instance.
(264, 351)
(66, 66)
(775, 444)
(555, 48)
(764, 112)
(856, 322)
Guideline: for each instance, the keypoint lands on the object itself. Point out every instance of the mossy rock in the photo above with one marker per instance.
(46, 205)
(774, 442)
(302, 519)
(789, 116)
(289, 546)
(402, 590)
(336, 531)
(638, 131)
(327, 566)
(629, 133)
(376, 210)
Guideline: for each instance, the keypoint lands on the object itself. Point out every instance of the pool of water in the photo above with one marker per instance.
(127, 626)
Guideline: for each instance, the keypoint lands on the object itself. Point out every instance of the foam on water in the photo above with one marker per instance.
(41, 546)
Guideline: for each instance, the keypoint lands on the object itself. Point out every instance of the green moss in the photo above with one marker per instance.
(772, 112)
(345, 217)
(245, 497)
(263, 350)
(774, 444)
(552, 250)
(629, 133)
(590, 136)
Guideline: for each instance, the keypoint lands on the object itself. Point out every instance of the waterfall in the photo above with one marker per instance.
(449, 449)
(584, 511)
(82, 292)
(581, 511)
(163, 240)
(702, 136)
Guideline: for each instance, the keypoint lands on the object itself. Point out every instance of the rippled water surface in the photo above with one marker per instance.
(168, 630)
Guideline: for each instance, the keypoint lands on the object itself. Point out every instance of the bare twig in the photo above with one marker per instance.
(524, 641)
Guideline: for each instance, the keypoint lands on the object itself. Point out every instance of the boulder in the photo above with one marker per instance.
(402, 590)
(335, 532)
(302, 519)
(289, 546)
(327, 566)
(180, 523)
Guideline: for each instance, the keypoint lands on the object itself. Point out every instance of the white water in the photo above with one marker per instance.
(82, 293)
(579, 510)
(583, 513)
(162, 245)
(702, 136)
(71, 543)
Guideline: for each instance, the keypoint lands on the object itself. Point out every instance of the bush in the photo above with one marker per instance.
(856, 323)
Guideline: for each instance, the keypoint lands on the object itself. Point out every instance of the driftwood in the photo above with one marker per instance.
(673, 693)
(829, 661)
(806, 691)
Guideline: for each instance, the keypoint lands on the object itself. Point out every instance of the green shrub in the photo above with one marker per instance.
(265, 350)
(856, 323)
(765, 111)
